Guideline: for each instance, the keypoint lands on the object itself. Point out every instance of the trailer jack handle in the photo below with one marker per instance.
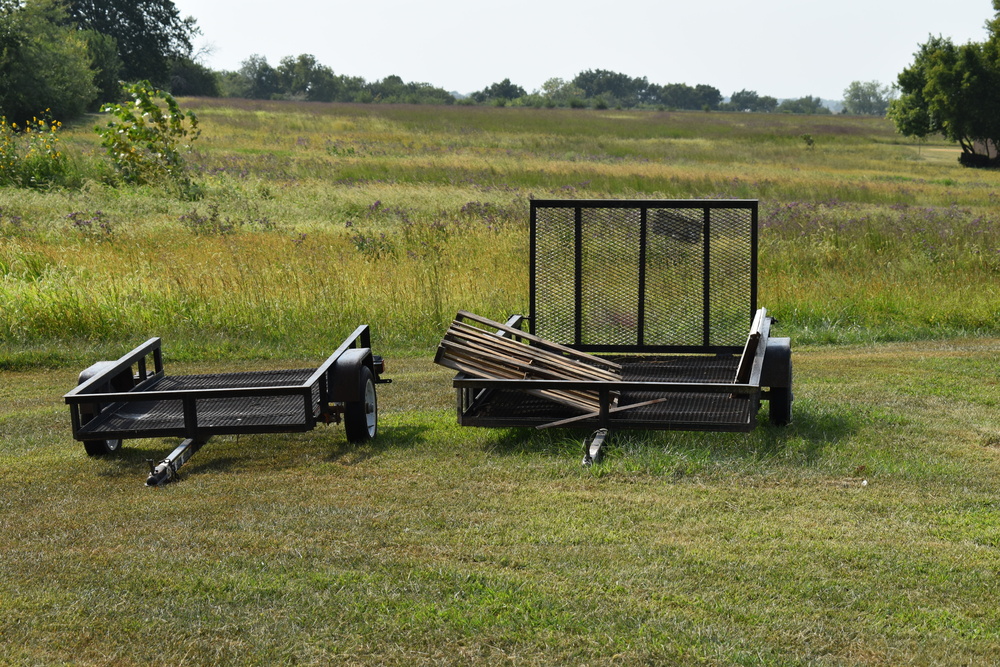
(592, 446)
(166, 470)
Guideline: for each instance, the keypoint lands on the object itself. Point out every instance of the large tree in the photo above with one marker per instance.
(749, 100)
(867, 98)
(806, 105)
(501, 92)
(303, 77)
(954, 91)
(44, 65)
(612, 87)
(149, 34)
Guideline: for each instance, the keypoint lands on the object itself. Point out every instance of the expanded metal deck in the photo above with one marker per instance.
(165, 417)
(684, 410)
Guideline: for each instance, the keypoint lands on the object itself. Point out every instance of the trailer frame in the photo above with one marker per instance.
(134, 397)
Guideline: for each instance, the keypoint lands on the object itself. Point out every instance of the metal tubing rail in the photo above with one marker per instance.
(362, 333)
(75, 397)
(609, 385)
(136, 356)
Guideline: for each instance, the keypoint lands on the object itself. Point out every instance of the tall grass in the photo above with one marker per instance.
(317, 217)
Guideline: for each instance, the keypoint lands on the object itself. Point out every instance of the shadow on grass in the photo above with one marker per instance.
(250, 454)
(389, 437)
(805, 440)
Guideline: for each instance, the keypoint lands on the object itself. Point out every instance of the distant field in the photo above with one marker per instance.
(316, 217)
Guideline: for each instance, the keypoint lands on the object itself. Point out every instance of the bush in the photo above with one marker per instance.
(144, 141)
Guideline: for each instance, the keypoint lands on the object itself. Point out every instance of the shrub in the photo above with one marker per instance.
(144, 140)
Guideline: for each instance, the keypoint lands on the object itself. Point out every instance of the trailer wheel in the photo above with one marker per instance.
(781, 406)
(102, 447)
(361, 417)
(780, 411)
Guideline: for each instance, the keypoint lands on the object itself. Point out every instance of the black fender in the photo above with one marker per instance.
(345, 373)
(776, 372)
(119, 383)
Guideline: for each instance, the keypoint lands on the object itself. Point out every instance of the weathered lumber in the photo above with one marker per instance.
(476, 337)
(480, 353)
(540, 342)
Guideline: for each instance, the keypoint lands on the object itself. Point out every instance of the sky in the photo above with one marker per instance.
(781, 48)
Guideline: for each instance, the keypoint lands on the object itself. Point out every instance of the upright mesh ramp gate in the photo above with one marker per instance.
(612, 276)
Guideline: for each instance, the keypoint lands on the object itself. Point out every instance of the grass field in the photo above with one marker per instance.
(867, 532)
(315, 217)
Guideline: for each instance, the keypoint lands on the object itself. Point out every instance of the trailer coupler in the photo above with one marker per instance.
(592, 446)
(166, 470)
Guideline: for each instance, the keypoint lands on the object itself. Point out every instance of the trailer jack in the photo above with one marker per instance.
(166, 470)
(592, 447)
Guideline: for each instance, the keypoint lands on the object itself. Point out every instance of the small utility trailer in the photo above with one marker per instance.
(133, 397)
(643, 314)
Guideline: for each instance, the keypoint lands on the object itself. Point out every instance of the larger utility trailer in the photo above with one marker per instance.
(643, 314)
(134, 397)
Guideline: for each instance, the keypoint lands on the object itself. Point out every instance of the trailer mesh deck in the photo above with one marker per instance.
(683, 411)
(239, 414)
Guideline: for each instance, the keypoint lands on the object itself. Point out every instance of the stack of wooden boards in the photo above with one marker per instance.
(507, 353)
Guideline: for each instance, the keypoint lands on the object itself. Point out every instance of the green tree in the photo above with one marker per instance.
(955, 91)
(304, 78)
(557, 92)
(804, 105)
(868, 98)
(749, 100)
(614, 88)
(503, 91)
(149, 33)
(261, 79)
(44, 65)
(683, 96)
(190, 78)
(106, 64)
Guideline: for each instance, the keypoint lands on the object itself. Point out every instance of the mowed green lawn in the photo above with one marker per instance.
(867, 532)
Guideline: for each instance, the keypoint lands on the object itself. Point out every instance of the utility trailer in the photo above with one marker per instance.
(133, 397)
(643, 314)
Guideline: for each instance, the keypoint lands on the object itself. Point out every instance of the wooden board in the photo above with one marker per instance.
(511, 354)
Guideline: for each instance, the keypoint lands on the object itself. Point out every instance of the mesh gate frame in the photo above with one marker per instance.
(703, 340)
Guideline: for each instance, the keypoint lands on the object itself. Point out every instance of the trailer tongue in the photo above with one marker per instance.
(133, 397)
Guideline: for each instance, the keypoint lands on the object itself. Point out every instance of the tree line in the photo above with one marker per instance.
(64, 57)
(303, 78)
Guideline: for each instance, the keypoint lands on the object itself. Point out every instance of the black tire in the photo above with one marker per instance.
(102, 447)
(781, 401)
(780, 412)
(361, 417)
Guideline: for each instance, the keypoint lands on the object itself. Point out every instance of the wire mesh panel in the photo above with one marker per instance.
(643, 275)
